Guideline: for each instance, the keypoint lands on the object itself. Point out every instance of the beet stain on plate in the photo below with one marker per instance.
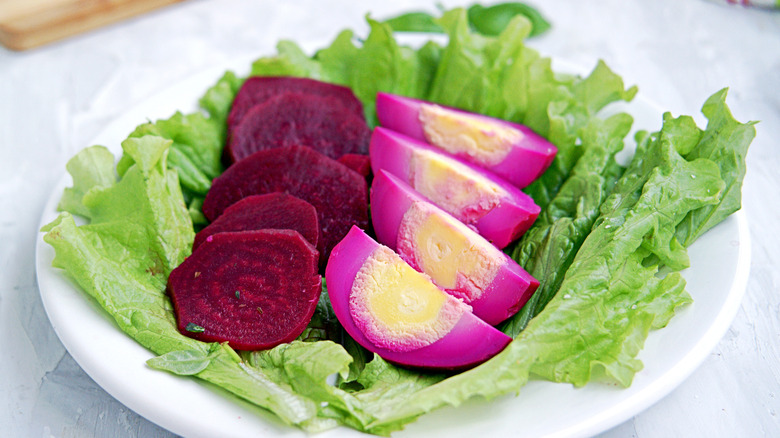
(252, 289)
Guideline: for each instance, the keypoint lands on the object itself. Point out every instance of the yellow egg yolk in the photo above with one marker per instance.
(445, 249)
(398, 308)
(453, 186)
(486, 142)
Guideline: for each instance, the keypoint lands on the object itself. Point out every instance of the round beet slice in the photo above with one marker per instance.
(293, 118)
(339, 194)
(278, 211)
(258, 89)
(252, 289)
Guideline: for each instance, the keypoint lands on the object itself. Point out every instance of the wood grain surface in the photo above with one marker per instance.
(25, 24)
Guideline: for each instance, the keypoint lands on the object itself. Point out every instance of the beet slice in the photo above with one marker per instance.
(359, 163)
(252, 289)
(294, 118)
(339, 194)
(278, 211)
(258, 89)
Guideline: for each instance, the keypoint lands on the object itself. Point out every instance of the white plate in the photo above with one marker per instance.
(720, 264)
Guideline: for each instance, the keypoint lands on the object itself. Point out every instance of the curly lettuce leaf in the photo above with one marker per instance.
(725, 141)
(561, 108)
(306, 368)
(290, 60)
(385, 65)
(92, 167)
(139, 231)
(583, 326)
(477, 73)
(388, 389)
(219, 97)
(196, 150)
(198, 139)
(548, 248)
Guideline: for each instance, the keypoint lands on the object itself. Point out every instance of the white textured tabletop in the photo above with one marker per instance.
(55, 99)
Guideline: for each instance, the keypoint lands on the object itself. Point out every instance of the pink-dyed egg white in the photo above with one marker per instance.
(458, 260)
(399, 314)
(510, 150)
(498, 210)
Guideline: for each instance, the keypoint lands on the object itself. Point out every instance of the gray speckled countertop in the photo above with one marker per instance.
(55, 99)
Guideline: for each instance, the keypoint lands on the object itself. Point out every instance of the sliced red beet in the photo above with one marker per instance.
(258, 89)
(278, 211)
(294, 118)
(359, 163)
(339, 194)
(252, 289)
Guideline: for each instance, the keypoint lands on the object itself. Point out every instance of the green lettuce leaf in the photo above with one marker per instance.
(196, 150)
(304, 368)
(548, 248)
(290, 60)
(387, 389)
(477, 73)
(562, 107)
(139, 232)
(493, 19)
(182, 362)
(486, 20)
(92, 167)
(198, 139)
(219, 98)
(583, 327)
(414, 22)
(726, 142)
(385, 65)
(337, 59)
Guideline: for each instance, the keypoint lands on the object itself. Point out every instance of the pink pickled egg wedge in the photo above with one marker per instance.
(499, 211)
(399, 314)
(510, 150)
(458, 260)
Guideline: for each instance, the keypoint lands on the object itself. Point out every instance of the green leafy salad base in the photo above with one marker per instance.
(607, 248)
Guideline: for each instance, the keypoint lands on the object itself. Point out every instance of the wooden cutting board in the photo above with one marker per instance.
(25, 24)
